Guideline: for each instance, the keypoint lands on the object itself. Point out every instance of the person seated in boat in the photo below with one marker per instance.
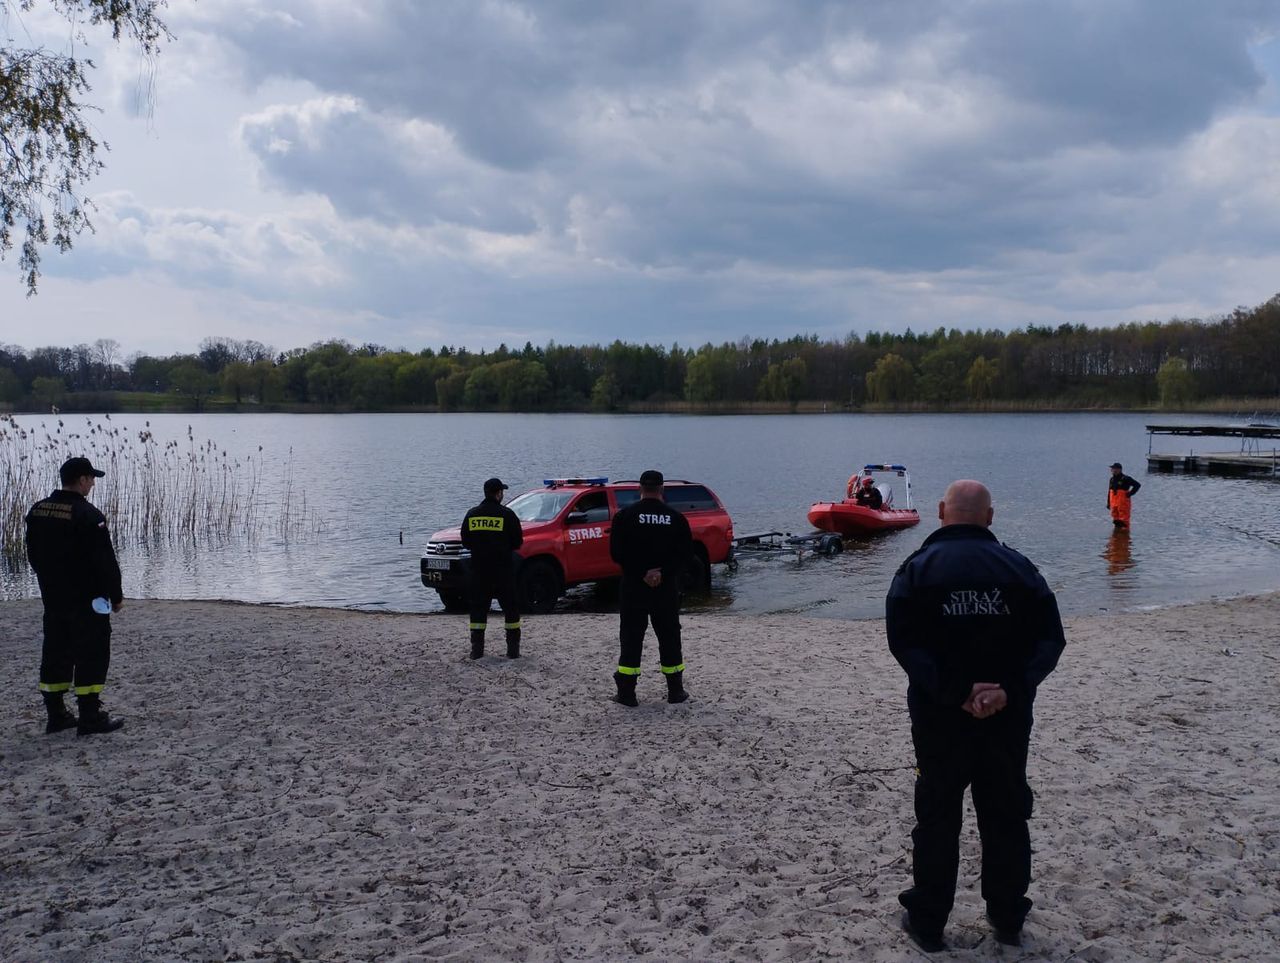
(868, 495)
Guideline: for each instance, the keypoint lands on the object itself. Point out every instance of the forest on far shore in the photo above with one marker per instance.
(1170, 363)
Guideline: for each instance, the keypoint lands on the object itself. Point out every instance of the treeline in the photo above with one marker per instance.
(1171, 362)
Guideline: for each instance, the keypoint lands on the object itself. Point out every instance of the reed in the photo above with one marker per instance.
(153, 490)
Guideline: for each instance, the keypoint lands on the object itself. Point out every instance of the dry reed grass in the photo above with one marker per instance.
(153, 490)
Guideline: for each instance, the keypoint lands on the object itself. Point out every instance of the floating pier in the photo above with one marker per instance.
(1255, 456)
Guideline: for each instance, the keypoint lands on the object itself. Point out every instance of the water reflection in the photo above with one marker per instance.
(1118, 552)
(1118, 555)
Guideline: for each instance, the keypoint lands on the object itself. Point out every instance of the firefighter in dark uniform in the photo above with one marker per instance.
(1120, 490)
(868, 495)
(652, 543)
(70, 549)
(976, 628)
(491, 532)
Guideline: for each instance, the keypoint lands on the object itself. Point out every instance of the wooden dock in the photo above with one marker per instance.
(1255, 457)
(1218, 463)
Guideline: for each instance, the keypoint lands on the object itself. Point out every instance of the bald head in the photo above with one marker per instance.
(966, 502)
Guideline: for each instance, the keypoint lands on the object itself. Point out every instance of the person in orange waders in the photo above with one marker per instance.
(1119, 493)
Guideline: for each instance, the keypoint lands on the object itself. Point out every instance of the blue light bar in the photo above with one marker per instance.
(884, 467)
(555, 482)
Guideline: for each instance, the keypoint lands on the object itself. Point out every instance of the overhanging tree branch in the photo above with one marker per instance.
(47, 150)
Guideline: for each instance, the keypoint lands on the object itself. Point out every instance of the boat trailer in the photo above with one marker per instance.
(812, 543)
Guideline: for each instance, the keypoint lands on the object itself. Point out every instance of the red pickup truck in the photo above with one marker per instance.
(566, 539)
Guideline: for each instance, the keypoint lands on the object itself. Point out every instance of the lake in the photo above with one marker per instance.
(377, 486)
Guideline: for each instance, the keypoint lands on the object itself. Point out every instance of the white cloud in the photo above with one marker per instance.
(468, 172)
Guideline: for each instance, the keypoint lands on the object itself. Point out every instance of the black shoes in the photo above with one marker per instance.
(59, 717)
(59, 721)
(932, 942)
(928, 942)
(1005, 936)
(477, 647)
(626, 690)
(92, 724)
(675, 688)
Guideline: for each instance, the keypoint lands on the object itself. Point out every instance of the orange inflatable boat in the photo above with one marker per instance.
(867, 507)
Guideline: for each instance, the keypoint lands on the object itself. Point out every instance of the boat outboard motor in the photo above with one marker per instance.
(886, 495)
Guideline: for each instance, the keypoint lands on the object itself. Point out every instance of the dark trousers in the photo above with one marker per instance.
(990, 755)
(76, 652)
(485, 587)
(638, 605)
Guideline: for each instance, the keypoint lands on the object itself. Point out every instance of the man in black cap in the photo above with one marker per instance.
(652, 543)
(491, 532)
(70, 549)
(1120, 490)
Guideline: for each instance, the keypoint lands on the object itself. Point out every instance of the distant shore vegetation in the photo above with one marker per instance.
(1225, 364)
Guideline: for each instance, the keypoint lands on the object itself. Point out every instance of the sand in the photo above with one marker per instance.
(302, 784)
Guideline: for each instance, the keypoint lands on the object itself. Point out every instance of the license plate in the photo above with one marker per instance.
(438, 563)
(433, 576)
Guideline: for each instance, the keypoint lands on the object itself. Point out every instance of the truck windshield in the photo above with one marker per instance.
(540, 506)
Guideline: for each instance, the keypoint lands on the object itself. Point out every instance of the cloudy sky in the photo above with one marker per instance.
(423, 172)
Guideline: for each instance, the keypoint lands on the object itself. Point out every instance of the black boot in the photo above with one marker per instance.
(477, 643)
(93, 718)
(626, 689)
(59, 717)
(675, 687)
(513, 643)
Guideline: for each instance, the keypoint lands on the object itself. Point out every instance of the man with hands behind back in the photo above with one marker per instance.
(976, 628)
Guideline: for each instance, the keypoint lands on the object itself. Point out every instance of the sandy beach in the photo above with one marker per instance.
(304, 784)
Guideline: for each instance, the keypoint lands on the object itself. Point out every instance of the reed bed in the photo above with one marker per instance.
(153, 490)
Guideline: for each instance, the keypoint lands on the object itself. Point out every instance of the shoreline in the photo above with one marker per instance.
(609, 609)
(316, 783)
(1217, 406)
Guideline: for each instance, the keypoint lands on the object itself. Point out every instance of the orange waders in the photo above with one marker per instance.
(1118, 502)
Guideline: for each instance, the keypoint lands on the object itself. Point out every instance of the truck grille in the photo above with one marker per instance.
(446, 550)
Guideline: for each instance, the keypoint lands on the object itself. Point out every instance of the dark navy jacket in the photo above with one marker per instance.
(70, 549)
(963, 609)
(1123, 483)
(491, 531)
(650, 534)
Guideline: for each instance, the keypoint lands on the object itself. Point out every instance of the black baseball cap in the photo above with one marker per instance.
(1116, 464)
(651, 478)
(494, 485)
(74, 468)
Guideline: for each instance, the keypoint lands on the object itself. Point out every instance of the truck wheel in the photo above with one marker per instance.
(454, 601)
(697, 575)
(539, 586)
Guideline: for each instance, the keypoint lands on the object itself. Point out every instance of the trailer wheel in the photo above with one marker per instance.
(539, 585)
(831, 544)
(453, 600)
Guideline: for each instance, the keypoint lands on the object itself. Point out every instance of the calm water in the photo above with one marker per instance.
(372, 478)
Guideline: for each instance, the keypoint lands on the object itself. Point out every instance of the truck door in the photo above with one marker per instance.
(586, 538)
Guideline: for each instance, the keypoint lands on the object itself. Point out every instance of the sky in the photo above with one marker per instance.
(475, 172)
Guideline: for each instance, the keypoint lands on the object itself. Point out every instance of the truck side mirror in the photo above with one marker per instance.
(576, 518)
